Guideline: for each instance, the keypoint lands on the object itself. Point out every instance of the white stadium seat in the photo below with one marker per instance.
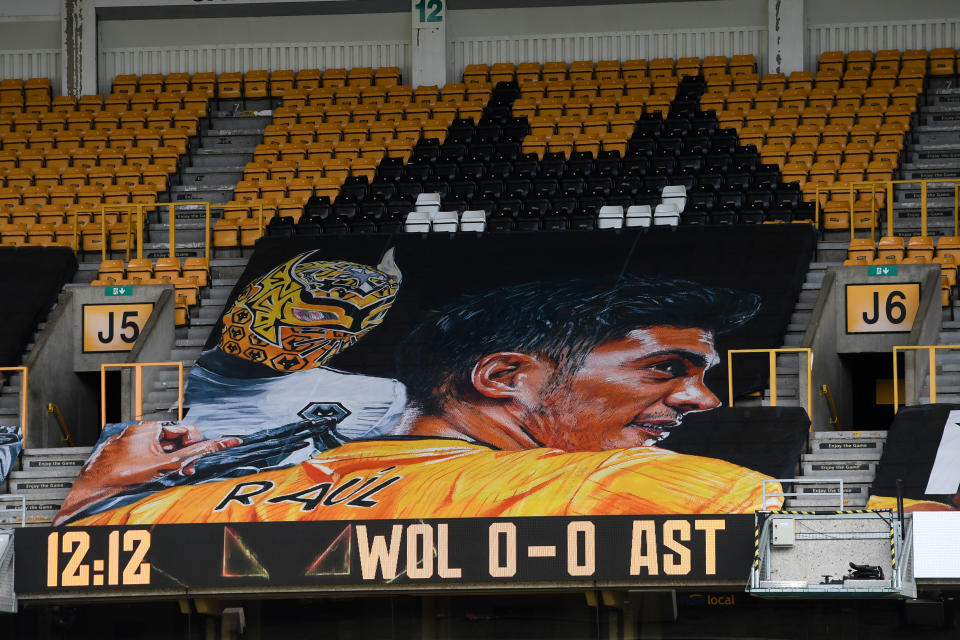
(610, 217)
(666, 215)
(473, 220)
(638, 216)
(417, 221)
(445, 221)
(675, 194)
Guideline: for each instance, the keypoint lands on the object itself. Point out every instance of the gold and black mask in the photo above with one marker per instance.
(306, 310)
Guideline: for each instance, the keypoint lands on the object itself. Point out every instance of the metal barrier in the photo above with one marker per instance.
(796, 494)
(23, 399)
(137, 211)
(852, 187)
(932, 355)
(773, 372)
(138, 386)
(66, 438)
(23, 505)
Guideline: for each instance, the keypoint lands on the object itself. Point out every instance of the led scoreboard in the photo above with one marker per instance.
(315, 555)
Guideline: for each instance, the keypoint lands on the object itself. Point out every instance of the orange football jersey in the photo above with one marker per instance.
(446, 478)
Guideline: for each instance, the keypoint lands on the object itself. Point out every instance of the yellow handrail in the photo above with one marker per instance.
(932, 355)
(55, 410)
(23, 399)
(138, 208)
(138, 386)
(888, 186)
(773, 372)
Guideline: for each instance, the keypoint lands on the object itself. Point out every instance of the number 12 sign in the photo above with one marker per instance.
(113, 327)
(429, 10)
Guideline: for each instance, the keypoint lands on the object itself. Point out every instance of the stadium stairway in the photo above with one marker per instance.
(225, 144)
(44, 475)
(932, 150)
(831, 455)
(209, 173)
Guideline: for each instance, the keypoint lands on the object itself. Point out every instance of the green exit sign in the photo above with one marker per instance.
(118, 291)
(882, 270)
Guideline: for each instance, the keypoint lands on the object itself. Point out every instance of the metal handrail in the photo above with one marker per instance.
(932, 355)
(888, 187)
(834, 415)
(138, 386)
(796, 494)
(55, 410)
(138, 208)
(773, 372)
(23, 399)
(23, 505)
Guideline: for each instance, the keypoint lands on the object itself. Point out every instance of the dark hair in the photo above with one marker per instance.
(562, 321)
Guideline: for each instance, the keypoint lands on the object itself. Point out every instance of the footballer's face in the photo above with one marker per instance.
(628, 392)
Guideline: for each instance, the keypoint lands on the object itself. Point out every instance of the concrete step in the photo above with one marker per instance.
(216, 193)
(862, 470)
(56, 488)
(851, 501)
(231, 139)
(793, 340)
(70, 458)
(162, 249)
(187, 355)
(928, 173)
(165, 398)
(843, 446)
(848, 435)
(203, 176)
(841, 455)
(47, 472)
(240, 123)
(221, 157)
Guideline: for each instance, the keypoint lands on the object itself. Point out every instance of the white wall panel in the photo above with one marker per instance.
(31, 63)
(916, 34)
(621, 45)
(243, 57)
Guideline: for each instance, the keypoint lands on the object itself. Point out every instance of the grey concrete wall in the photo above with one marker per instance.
(833, 12)
(471, 23)
(95, 295)
(51, 381)
(827, 337)
(17, 34)
(215, 31)
(828, 369)
(926, 331)
(929, 311)
(30, 8)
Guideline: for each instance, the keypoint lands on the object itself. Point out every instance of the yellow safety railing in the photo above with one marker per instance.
(23, 399)
(852, 189)
(772, 353)
(138, 386)
(137, 211)
(887, 185)
(932, 355)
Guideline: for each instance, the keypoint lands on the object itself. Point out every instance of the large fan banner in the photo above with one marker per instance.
(408, 377)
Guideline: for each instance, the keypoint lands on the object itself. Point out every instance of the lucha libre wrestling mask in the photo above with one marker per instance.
(308, 309)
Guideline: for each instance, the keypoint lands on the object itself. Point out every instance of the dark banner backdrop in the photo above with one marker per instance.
(769, 260)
